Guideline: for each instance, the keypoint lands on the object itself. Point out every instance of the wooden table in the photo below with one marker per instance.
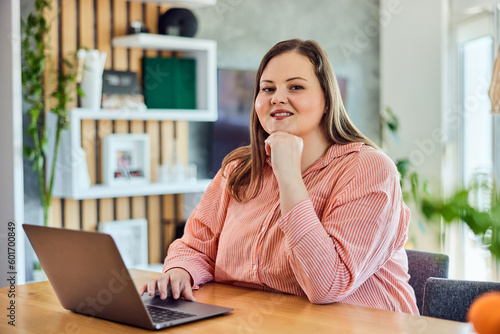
(38, 311)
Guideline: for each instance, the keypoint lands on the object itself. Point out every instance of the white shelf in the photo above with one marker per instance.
(203, 51)
(164, 42)
(198, 115)
(103, 191)
(181, 3)
(70, 162)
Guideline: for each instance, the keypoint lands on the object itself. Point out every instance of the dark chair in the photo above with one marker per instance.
(421, 266)
(450, 299)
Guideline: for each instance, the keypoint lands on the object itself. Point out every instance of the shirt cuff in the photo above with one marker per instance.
(298, 222)
(187, 267)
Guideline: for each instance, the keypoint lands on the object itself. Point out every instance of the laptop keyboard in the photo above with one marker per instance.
(159, 314)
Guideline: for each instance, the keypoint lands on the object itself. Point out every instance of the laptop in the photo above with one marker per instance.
(89, 277)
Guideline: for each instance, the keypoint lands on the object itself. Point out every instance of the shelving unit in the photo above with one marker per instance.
(70, 162)
(205, 53)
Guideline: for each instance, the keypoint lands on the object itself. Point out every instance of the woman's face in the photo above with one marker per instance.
(290, 97)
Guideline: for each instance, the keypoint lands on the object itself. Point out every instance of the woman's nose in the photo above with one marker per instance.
(279, 97)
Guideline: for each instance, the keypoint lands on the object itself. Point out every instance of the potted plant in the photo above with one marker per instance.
(483, 220)
(35, 54)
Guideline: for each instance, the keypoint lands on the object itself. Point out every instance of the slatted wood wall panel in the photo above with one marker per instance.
(92, 24)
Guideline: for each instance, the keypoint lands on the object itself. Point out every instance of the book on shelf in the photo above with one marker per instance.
(169, 83)
(120, 90)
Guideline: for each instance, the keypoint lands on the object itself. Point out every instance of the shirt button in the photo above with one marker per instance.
(263, 229)
(254, 267)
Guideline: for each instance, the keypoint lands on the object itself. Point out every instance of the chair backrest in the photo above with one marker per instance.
(450, 299)
(421, 266)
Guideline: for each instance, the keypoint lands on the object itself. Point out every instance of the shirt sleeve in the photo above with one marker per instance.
(196, 251)
(359, 232)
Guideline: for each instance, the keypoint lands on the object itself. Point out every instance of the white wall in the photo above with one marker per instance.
(11, 167)
(413, 42)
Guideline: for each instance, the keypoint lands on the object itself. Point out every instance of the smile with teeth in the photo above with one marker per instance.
(282, 114)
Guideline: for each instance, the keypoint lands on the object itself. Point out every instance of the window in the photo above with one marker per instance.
(476, 64)
(472, 65)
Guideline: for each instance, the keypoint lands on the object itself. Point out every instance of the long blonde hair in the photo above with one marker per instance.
(245, 180)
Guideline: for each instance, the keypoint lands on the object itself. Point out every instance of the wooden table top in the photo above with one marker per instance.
(37, 310)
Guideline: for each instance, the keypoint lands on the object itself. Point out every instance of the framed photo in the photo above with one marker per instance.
(126, 159)
(131, 238)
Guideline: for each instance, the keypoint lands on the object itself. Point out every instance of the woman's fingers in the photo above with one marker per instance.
(163, 286)
(187, 293)
(152, 287)
(179, 281)
(142, 289)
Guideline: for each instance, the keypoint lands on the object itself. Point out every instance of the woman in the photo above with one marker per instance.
(310, 208)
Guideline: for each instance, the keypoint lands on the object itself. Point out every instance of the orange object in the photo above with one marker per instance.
(484, 313)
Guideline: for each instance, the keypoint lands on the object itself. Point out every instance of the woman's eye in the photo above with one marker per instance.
(267, 89)
(296, 87)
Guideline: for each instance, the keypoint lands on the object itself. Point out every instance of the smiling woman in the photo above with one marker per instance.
(311, 207)
(291, 100)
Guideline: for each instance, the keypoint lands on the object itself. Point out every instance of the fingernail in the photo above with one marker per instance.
(163, 295)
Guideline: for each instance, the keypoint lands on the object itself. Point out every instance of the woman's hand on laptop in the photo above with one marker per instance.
(179, 281)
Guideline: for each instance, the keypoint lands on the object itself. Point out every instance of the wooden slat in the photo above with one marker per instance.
(154, 221)
(71, 214)
(151, 15)
(52, 60)
(55, 219)
(181, 217)
(106, 210)
(167, 141)
(135, 14)
(168, 220)
(138, 207)
(89, 215)
(68, 35)
(120, 58)
(182, 140)
(103, 24)
(86, 24)
(122, 208)
(153, 129)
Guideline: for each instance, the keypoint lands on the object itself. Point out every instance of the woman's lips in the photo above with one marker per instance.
(280, 114)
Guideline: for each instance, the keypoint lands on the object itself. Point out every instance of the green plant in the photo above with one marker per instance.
(483, 220)
(484, 223)
(34, 56)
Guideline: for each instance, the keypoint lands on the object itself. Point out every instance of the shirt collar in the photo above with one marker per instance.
(335, 151)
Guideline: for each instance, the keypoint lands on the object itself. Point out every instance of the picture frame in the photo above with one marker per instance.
(131, 239)
(126, 159)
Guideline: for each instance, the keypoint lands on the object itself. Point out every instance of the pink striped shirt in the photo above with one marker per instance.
(344, 244)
